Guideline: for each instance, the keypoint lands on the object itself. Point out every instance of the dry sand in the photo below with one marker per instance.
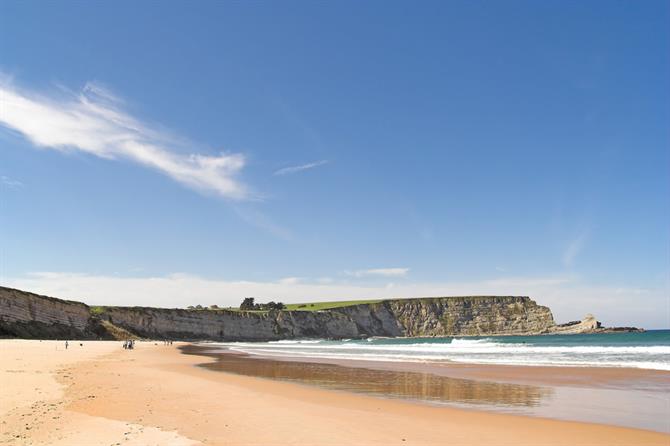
(34, 401)
(102, 394)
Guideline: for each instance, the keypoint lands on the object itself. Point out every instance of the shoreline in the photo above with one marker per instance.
(578, 376)
(514, 374)
(570, 394)
(156, 395)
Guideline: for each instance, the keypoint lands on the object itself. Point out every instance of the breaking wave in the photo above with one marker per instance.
(628, 350)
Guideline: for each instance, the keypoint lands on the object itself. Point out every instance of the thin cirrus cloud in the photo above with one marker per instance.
(93, 121)
(574, 248)
(295, 169)
(380, 272)
(10, 182)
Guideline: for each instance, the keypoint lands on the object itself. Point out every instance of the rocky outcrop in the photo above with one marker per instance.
(589, 325)
(29, 315)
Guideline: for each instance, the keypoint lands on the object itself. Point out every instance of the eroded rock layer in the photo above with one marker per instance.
(28, 315)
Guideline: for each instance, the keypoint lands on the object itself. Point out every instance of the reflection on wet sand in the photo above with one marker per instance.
(395, 384)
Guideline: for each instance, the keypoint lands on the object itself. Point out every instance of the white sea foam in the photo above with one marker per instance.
(483, 351)
(461, 347)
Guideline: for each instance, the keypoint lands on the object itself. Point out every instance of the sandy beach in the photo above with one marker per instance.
(99, 393)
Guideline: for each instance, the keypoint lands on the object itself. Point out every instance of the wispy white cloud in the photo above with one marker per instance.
(295, 169)
(382, 272)
(93, 121)
(262, 221)
(573, 248)
(567, 296)
(10, 182)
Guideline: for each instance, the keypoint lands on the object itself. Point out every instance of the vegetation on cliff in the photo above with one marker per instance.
(318, 306)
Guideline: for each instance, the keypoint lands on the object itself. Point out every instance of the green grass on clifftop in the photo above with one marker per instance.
(316, 306)
(96, 310)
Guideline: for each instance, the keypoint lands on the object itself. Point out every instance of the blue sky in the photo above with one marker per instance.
(173, 154)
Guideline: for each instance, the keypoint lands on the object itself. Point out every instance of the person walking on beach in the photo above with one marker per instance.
(66, 344)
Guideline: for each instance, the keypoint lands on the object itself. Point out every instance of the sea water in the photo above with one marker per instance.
(647, 350)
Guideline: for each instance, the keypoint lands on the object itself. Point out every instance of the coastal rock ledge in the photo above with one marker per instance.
(29, 315)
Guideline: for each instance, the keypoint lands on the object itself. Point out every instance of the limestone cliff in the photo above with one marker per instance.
(451, 316)
(230, 325)
(29, 315)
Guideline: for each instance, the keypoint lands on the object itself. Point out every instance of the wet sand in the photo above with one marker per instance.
(625, 397)
(381, 382)
(157, 395)
(532, 375)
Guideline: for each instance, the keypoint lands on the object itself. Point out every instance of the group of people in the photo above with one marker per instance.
(130, 343)
(127, 344)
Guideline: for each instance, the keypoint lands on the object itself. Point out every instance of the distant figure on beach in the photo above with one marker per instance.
(66, 344)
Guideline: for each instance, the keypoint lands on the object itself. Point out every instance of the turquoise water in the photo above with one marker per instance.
(647, 338)
(648, 350)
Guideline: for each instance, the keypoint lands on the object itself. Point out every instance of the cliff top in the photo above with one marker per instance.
(316, 306)
(309, 306)
(4, 289)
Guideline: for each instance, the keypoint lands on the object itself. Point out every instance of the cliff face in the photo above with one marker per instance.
(230, 325)
(451, 316)
(25, 314)
(28, 315)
